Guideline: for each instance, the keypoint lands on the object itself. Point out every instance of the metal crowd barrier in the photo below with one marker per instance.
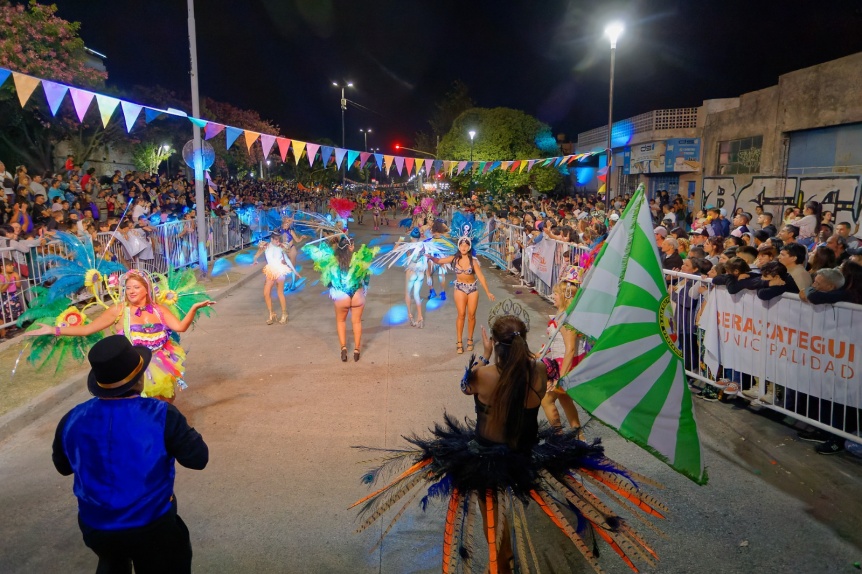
(833, 406)
(169, 246)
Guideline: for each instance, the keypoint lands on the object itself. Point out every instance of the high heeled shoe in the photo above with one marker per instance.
(420, 323)
(412, 321)
(271, 319)
(356, 354)
(343, 354)
(283, 319)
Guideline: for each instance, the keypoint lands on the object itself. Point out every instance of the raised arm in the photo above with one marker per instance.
(441, 260)
(181, 326)
(101, 322)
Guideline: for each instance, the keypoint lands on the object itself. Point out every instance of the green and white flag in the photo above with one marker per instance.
(633, 379)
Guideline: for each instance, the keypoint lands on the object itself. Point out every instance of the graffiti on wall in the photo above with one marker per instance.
(841, 195)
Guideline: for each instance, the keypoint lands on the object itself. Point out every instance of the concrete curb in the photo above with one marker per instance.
(22, 416)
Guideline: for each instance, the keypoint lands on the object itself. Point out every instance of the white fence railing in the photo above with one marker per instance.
(169, 246)
(815, 378)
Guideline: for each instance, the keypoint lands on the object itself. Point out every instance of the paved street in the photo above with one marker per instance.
(280, 412)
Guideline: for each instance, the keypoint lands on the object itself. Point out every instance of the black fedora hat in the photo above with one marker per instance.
(116, 365)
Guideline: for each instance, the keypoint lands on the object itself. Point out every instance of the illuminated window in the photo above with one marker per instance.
(740, 156)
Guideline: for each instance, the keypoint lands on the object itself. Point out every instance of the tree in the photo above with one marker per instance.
(456, 101)
(502, 134)
(237, 160)
(148, 155)
(34, 41)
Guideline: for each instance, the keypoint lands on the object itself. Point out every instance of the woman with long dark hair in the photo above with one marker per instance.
(345, 271)
(495, 467)
(468, 275)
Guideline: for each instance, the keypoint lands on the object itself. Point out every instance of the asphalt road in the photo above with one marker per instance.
(280, 413)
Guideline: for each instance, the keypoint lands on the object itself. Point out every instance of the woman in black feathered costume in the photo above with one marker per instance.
(496, 466)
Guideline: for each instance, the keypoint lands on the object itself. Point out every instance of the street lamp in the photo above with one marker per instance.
(343, 109)
(365, 132)
(472, 135)
(613, 31)
(163, 149)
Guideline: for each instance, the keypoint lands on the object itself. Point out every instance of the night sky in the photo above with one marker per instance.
(546, 57)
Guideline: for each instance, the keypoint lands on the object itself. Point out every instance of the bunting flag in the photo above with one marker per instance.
(24, 86)
(298, 148)
(130, 113)
(107, 105)
(212, 130)
(54, 93)
(633, 379)
(82, 100)
(339, 157)
(325, 154)
(364, 156)
(250, 138)
(230, 135)
(311, 151)
(152, 113)
(351, 158)
(283, 147)
(266, 142)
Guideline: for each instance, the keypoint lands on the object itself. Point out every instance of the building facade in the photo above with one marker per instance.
(796, 141)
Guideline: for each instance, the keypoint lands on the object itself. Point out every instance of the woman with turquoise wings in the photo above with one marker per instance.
(346, 271)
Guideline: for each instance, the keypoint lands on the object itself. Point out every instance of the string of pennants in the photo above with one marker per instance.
(55, 93)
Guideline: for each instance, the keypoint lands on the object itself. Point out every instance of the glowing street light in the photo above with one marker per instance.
(343, 109)
(613, 31)
(365, 132)
(472, 135)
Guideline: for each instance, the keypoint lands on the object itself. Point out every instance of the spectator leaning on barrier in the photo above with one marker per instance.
(835, 286)
(672, 259)
(792, 256)
(775, 281)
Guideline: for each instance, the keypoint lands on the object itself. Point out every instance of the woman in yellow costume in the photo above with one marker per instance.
(147, 309)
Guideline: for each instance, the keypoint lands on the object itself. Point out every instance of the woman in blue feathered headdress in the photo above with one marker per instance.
(468, 276)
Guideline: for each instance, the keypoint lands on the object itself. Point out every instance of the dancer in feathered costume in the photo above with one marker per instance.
(278, 268)
(439, 232)
(346, 271)
(491, 469)
(376, 207)
(146, 309)
(343, 208)
(469, 276)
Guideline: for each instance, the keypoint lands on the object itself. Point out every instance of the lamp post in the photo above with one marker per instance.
(613, 31)
(198, 163)
(164, 149)
(343, 109)
(472, 135)
(365, 133)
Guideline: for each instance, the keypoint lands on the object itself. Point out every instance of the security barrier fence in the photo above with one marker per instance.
(802, 360)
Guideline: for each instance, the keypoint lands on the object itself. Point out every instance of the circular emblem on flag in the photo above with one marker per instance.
(665, 319)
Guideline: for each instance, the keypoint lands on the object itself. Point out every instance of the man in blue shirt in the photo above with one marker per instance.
(121, 448)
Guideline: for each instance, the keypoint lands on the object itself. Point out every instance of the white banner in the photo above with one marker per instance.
(541, 258)
(813, 349)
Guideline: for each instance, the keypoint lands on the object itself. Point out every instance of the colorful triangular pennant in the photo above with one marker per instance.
(283, 147)
(298, 148)
(24, 85)
(4, 75)
(230, 134)
(339, 157)
(428, 164)
(202, 124)
(151, 113)
(266, 142)
(212, 130)
(250, 138)
(378, 158)
(363, 158)
(106, 105)
(311, 151)
(351, 157)
(387, 162)
(130, 112)
(82, 100)
(399, 164)
(325, 154)
(54, 93)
